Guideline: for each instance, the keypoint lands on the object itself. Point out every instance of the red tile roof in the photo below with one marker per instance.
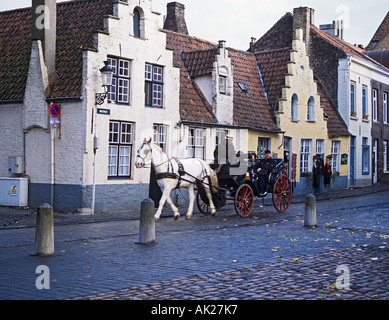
(193, 104)
(274, 67)
(76, 23)
(250, 107)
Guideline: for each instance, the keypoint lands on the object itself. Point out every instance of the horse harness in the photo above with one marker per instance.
(181, 172)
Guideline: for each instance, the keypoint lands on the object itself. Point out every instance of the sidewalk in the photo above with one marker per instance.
(26, 217)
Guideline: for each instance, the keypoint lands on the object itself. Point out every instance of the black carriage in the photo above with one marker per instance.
(242, 189)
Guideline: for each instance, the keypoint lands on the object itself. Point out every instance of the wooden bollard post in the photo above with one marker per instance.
(44, 233)
(147, 222)
(310, 217)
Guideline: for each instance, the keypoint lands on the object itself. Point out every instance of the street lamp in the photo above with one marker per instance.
(106, 78)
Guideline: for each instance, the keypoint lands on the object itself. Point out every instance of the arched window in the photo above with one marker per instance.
(295, 108)
(137, 23)
(311, 109)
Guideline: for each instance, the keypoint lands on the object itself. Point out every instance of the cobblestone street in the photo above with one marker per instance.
(287, 279)
(267, 256)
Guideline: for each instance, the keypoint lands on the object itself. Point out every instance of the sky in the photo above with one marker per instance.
(236, 21)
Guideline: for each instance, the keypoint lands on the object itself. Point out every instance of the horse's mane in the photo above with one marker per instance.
(159, 149)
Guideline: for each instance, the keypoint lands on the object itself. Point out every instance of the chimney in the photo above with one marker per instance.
(175, 19)
(253, 41)
(335, 29)
(44, 28)
(303, 17)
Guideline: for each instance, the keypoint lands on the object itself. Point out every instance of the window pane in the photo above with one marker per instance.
(112, 161)
(157, 95)
(123, 90)
(112, 91)
(114, 132)
(124, 161)
(124, 68)
(148, 72)
(148, 94)
(157, 76)
(126, 133)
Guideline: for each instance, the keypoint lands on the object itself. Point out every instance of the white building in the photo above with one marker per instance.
(142, 102)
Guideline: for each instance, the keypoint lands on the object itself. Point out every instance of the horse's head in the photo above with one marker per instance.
(143, 154)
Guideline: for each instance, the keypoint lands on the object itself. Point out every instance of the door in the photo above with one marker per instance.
(352, 161)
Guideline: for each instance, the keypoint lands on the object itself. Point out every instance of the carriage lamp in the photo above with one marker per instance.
(106, 78)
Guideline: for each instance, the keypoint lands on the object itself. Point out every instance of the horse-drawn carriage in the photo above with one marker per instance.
(213, 189)
(242, 189)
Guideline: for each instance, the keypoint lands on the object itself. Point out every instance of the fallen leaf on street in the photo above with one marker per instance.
(295, 259)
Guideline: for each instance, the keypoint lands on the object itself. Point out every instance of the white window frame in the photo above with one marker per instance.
(320, 148)
(375, 105)
(222, 84)
(385, 107)
(120, 149)
(119, 91)
(311, 109)
(160, 135)
(385, 154)
(335, 152)
(153, 86)
(295, 108)
(196, 143)
(305, 155)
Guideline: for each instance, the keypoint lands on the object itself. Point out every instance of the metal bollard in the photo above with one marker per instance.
(44, 233)
(147, 222)
(310, 217)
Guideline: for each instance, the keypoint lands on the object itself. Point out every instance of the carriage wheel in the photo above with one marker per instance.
(282, 193)
(244, 200)
(203, 207)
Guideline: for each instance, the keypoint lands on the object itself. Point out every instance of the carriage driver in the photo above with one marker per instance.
(263, 168)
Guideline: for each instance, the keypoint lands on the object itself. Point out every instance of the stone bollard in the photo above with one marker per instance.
(310, 217)
(147, 222)
(44, 233)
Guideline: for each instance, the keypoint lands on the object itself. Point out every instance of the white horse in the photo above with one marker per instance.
(169, 178)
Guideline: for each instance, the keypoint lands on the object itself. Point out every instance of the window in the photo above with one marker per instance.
(320, 148)
(242, 86)
(196, 143)
(375, 105)
(263, 145)
(385, 107)
(364, 102)
(352, 100)
(295, 108)
(386, 157)
(119, 92)
(136, 23)
(335, 152)
(365, 156)
(306, 155)
(311, 109)
(120, 149)
(153, 86)
(160, 136)
(222, 84)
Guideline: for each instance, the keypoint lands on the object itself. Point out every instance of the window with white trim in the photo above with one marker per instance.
(119, 91)
(352, 99)
(196, 145)
(335, 152)
(311, 109)
(386, 157)
(153, 86)
(222, 84)
(365, 111)
(120, 149)
(385, 107)
(160, 136)
(295, 108)
(320, 148)
(306, 155)
(365, 156)
(375, 104)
